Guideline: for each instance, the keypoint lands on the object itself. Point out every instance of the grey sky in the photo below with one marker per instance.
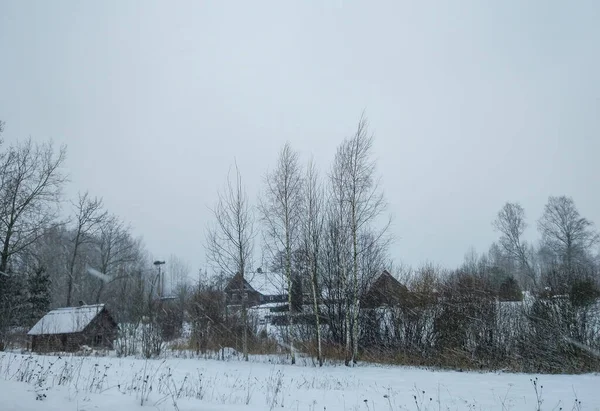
(471, 106)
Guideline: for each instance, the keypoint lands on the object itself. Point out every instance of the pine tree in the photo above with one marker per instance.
(38, 288)
(14, 300)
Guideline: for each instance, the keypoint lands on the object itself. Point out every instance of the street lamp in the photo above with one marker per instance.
(160, 280)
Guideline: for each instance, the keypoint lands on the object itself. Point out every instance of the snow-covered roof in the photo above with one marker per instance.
(66, 320)
(268, 283)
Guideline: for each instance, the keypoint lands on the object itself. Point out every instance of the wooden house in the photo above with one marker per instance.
(260, 288)
(385, 291)
(71, 328)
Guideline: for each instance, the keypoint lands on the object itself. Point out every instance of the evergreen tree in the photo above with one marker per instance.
(38, 288)
(14, 301)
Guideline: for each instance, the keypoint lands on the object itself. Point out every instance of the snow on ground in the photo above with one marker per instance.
(107, 383)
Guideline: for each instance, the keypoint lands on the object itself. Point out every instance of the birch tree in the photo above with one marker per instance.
(364, 203)
(281, 213)
(230, 240)
(338, 236)
(566, 233)
(510, 222)
(312, 231)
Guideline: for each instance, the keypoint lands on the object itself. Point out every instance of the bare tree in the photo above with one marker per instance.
(281, 212)
(334, 260)
(510, 222)
(31, 183)
(364, 201)
(339, 240)
(313, 221)
(179, 273)
(230, 241)
(89, 217)
(117, 251)
(566, 233)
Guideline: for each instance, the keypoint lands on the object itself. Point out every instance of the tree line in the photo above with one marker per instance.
(520, 305)
(57, 253)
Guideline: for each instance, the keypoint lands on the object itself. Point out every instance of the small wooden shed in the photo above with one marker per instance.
(71, 328)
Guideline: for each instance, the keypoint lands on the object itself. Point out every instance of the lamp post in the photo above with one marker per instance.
(160, 280)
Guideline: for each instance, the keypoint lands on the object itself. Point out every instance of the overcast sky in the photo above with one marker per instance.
(472, 104)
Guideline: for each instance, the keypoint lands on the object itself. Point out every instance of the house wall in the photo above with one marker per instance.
(234, 297)
(280, 298)
(102, 327)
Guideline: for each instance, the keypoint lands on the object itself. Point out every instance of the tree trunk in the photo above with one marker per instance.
(316, 308)
(355, 329)
(244, 318)
(347, 324)
(288, 272)
(72, 268)
(6, 249)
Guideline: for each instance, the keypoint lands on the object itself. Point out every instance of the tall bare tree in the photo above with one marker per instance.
(510, 222)
(89, 217)
(313, 221)
(31, 182)
(364, 202)
(230, 241)
(566, 233)
(117, 251)
(281, 213)
(338, 236)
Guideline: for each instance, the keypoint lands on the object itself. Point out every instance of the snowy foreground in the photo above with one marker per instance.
(104, 383)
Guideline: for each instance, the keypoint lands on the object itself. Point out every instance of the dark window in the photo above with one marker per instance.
(98, 339)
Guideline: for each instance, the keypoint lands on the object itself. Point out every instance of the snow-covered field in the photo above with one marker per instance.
(109, 383)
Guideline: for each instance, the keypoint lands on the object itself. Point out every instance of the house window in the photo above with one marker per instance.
(98, 340)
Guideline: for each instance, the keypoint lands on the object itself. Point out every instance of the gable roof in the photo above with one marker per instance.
(386, 290)
(263, 283)
(234, 284)
(268, 283)
(66, 320)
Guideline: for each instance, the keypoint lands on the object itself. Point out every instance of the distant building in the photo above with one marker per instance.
(260, 288)
(71, 328)
(385, 291)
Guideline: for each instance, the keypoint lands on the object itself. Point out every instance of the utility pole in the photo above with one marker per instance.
(160, 279)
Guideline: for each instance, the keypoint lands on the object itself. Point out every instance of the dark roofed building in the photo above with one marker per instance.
(71, 328)
(260, 288)
(385, 291)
